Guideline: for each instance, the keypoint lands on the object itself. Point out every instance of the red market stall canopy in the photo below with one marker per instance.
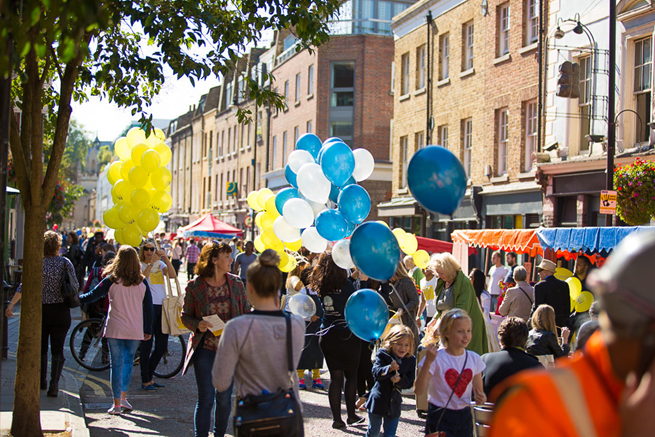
(438, 246)
(210, 226)
(509, 240)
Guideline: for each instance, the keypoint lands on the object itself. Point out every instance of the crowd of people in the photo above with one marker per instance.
(440, 345)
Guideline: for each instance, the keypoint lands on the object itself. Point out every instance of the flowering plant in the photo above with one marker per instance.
(635, 186)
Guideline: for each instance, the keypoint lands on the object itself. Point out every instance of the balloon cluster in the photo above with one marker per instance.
(324, 202)
(140, 185)
(580, 300)
(409, 244)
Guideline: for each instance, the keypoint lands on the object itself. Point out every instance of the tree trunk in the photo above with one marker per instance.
(26, 418)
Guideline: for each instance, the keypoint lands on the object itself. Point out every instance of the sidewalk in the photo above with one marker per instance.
(61, 414)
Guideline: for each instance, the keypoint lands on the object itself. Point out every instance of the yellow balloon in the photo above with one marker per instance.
(161, 178)
(132, 235)
(401, 236)
(259, 246)
(258, 219)
(127, 213)
(421, 259)
(262, 195)
(252, 201)
(284, 259)
(148, 220)
(269, 205)
(271, 240)
(583, 302)
(114, 172)
(160, 134)
(135, 136)
(165, 153)
(110, 218)
(138, 177)
(161, 201)
(152, 140)
(125, 169)
(118, 235)
(137, 153)
(150, 160)
(290, 265)
(411, 244)
(575, 287)
(294, 246)
(563, 274)
(382, 222)
(267, 220)
(140, 198)
(121, 149)
(122, 190)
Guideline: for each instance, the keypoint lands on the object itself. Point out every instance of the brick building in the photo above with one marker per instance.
(472, 87)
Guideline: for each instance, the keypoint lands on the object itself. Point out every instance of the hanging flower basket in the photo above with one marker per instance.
(635, 184)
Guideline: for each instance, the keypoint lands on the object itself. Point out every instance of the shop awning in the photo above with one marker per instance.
(210, 226)
(589, 240)
(438, 246)
(509, 240)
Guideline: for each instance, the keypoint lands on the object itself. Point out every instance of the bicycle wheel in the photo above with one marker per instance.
(87, 345)
(173, 360)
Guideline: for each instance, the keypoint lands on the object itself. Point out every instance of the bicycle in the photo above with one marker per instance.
(90, 349)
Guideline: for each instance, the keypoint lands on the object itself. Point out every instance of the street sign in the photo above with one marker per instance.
(608, 202)
(248, 221)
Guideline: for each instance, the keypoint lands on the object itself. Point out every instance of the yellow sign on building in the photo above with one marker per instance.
(608, 202)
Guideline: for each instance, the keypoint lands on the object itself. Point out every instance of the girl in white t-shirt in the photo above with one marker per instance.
(452, 376)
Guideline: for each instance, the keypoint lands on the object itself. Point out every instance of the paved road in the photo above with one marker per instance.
(169, 411)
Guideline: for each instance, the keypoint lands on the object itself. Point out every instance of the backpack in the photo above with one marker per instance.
(98, 305)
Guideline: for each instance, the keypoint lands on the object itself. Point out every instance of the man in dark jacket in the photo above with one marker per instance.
(513, 336)
(91, 255)
(553, 292)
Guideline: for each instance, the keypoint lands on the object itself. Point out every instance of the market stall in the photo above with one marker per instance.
(210, 226)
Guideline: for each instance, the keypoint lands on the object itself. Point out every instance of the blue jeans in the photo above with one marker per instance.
(375, 422)
(121, 356)
(203, 361)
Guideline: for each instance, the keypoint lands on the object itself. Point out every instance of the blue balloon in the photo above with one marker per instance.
(326, 144)
(350, 181)
(284, 195)
(338, 163)
(354, 203)
(366, 314)
(310, 143)
(351, 229)
(331, 225)
(332, 140)
(375, 251)
(291, 176)
(436, 179)
(334, 193)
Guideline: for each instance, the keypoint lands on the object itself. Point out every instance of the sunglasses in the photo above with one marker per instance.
(148, 249)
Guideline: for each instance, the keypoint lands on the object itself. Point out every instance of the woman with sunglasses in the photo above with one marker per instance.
(154, 265)
(215, 291)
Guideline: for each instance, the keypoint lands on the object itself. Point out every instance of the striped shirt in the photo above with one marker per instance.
(192, 254)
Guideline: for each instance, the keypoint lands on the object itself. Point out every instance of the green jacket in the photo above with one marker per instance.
(465, 299)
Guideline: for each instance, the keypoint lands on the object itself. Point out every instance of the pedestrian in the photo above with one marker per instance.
(155, 265)
(92, 255)
(551, 291)
(129, 319)
(55, 314)
(76, 256)
(191, 255)
(427, 306)
(215, 292)
(243, 260)
(542, 339)
(176, 256)
(412, 270)
(259, 337)
(453, 377)
(312, 357)
(340, 346)
(518, 299)
(394, 370)
(476, 276)
(608, 389)
(496, 275)
(510, 259)
(454, 283)
(405, 300)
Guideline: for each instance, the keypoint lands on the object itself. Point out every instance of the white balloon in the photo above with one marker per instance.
(284, 231)
(364, 164)
(298, 213)
(341, 254)
(313, 184)
(312, 241)
(316, 207)
(302, 305)
(298, 158)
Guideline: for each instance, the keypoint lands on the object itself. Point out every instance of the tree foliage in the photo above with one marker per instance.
(70, 49)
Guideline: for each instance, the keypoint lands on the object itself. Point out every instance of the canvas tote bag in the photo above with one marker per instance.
(171, 310)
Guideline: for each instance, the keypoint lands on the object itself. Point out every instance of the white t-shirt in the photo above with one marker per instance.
(156, 282)
(445, 370)
(427, 288)
(485, 303)
(496, 274)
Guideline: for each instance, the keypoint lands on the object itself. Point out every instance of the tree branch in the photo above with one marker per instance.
(56, 60)
(20, 167)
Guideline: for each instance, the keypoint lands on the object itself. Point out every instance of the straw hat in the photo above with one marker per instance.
(547, 264)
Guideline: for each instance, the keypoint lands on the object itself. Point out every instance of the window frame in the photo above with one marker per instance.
(532, 10)
(467, 146)
(469, 45)
(444, 56)
(531, 121)
(404, 74)
(310, 80)
(421, 67)
(503, 140)
(504, 24)
(404, 160)
(297, 96)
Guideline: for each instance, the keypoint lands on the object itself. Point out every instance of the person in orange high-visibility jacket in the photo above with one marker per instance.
(607, 390)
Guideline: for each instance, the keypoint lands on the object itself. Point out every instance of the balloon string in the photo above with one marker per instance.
(405, 310)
